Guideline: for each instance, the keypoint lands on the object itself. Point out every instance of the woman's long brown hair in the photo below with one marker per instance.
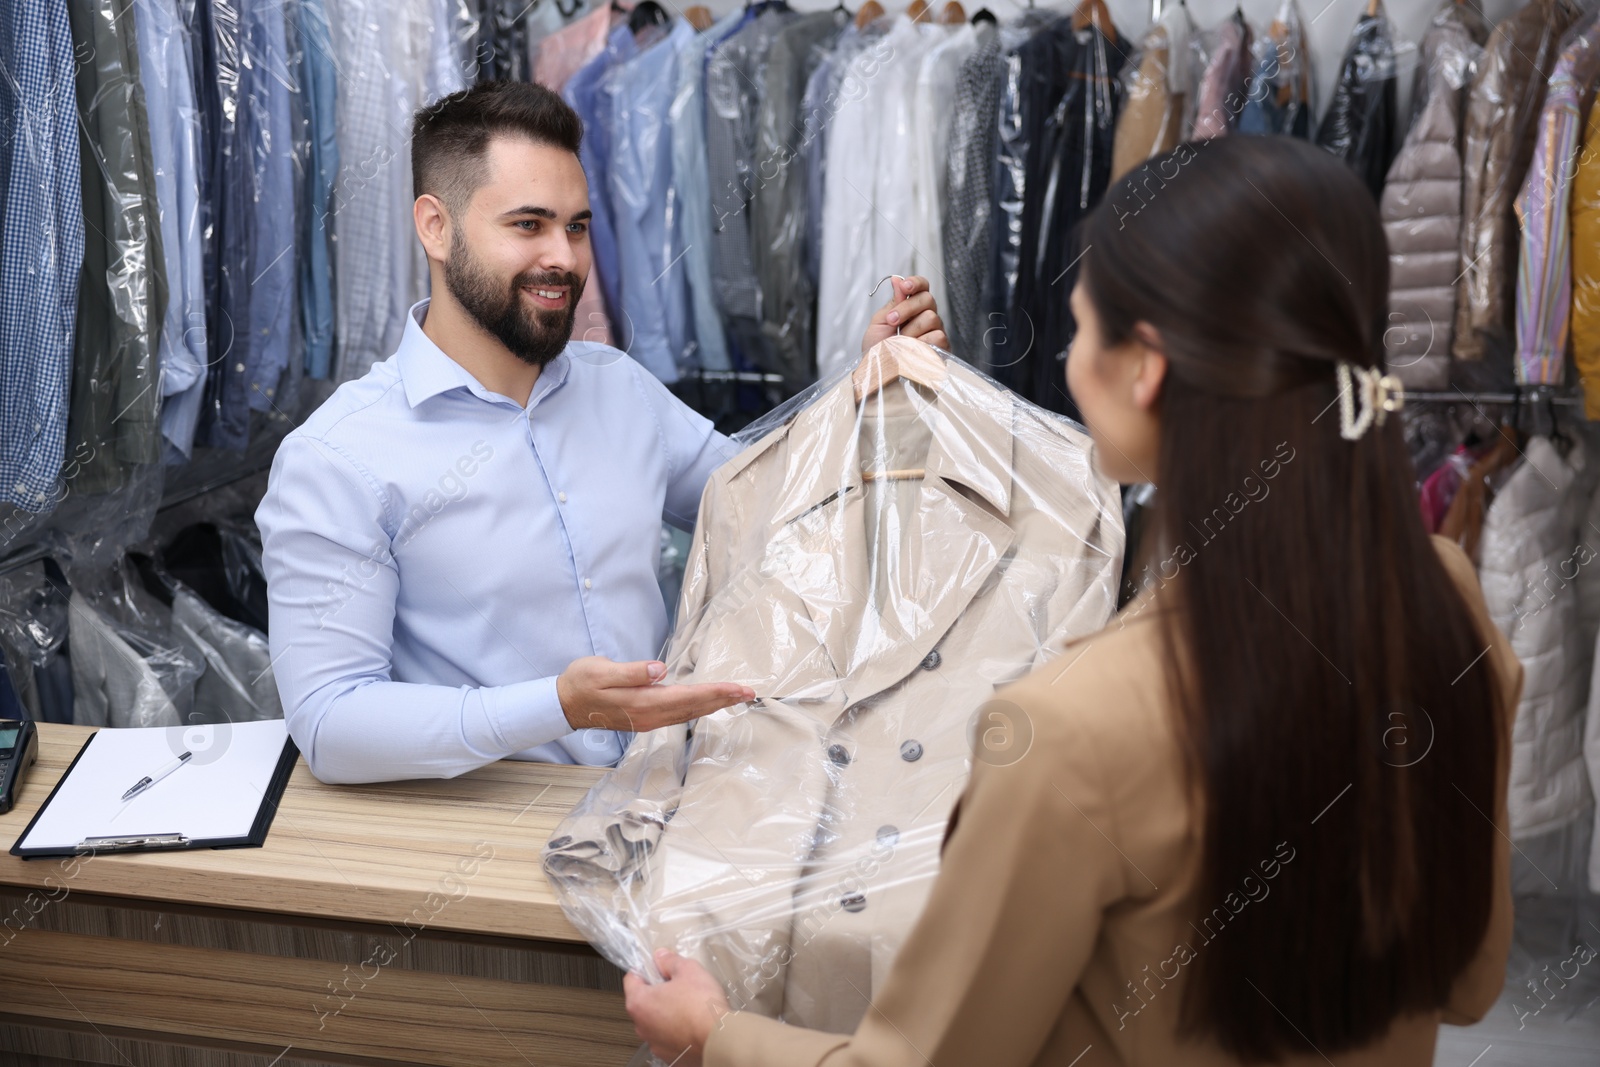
(1335, 698)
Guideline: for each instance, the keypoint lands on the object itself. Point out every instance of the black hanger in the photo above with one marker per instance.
(646, 13)
(983, 14)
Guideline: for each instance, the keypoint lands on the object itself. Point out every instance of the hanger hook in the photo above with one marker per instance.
(885, 278)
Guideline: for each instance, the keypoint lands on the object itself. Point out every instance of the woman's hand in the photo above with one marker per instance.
(911, 309)
(675, 1017)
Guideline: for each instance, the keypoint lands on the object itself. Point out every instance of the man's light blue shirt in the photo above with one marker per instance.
(436, 554)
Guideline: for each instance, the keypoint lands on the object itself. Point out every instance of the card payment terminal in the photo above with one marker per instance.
(19, 748)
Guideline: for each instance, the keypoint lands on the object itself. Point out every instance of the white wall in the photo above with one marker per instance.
(1328, 24)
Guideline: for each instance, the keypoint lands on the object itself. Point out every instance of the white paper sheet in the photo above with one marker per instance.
(216, 794)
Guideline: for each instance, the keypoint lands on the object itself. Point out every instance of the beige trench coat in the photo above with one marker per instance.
(789, 844)
(1061, 927)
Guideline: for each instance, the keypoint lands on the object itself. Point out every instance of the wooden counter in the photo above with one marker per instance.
(400, 923)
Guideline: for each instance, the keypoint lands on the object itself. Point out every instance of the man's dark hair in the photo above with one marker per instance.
(450, 137)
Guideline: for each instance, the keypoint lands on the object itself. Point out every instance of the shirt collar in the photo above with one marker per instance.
(426, 371)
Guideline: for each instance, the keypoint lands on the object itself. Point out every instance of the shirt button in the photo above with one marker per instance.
(888, 835)
(911, 751)
(239, 367)
(561, 497)
(587, 584)
(853, 902)
(838, 754)
(931, 660)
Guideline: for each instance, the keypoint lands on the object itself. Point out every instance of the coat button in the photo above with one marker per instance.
(888, 835)
(838, 754)
(853, 902)
(931, 660)
(911, 751)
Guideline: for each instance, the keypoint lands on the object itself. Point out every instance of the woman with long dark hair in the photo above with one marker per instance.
(1262, 815)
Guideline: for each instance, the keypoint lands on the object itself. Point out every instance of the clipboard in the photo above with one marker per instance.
(230, 809)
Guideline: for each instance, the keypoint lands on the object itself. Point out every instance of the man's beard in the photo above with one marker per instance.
(534, 335)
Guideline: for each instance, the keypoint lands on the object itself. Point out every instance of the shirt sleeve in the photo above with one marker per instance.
(694, 449)
(331, 588)
(1027, 871)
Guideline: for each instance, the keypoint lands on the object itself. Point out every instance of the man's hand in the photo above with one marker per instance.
(911, 308)
(596, 692)
(677, 1016)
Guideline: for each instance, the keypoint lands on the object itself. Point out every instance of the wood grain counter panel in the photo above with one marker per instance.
(382, 854)
(311, 1007)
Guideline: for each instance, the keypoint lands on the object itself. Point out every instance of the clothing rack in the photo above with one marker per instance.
(1538, 394)
(699, 374)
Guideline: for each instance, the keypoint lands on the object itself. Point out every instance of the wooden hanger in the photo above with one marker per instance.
(952, 14)
(917, 11)
(898, 357)
(698, 16)
(1372, 8)
(1092, 13)
(869, 11)
(891, 358)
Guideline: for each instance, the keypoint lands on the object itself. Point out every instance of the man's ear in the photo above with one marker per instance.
(1152, 365)
(433, 226)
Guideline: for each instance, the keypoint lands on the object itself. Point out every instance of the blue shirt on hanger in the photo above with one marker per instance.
(267, 83)
(318, 80)
(41, 251)
(436, 554)
(639, 95)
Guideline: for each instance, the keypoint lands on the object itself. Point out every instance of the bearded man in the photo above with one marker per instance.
(461, 546)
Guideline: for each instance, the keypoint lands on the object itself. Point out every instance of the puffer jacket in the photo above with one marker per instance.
(1502, 109)
(1421, 204)
(1537, 551)
(1586, 279)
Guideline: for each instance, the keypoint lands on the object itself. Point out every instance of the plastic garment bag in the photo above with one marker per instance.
(172, 109)
(1544, 261)
(1502, 118)
(41, 251)
(1225, 81)
(874, 569)
(395, 56)
(238, 684)
(969, 206)
(1058, 120)
(1586, 266)
(126, 669)
(1421, 203)
(1157, 88)
(644, 209)
(1359, 124)
(867, 198)
(777, 202)
(33, 625)
(1278, 97)
(116, 394)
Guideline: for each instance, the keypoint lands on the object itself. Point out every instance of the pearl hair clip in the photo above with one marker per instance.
(1379, 393)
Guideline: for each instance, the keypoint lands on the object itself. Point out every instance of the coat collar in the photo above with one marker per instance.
(958, 533)
(972, 422)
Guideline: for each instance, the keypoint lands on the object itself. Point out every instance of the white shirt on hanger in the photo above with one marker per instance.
(867, 200)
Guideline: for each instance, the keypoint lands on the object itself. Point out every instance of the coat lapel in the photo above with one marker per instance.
(958, 531)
